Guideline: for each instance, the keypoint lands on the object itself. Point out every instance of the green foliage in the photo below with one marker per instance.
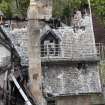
(13, 8)
(22, 7)
(61, 8)
(6, 8)
(65, 7)
(57, 9)
(98, 7)
(66, 11)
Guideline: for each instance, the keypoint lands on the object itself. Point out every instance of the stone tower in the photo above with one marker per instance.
(37, 12)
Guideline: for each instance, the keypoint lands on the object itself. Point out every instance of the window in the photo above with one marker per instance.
(50, 45)
(51, 102)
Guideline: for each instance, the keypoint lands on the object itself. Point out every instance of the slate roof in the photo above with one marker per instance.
(6, 49)
(19, 38)
(79, 40)
(20, 41)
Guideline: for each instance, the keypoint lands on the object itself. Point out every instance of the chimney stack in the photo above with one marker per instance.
(36, 13)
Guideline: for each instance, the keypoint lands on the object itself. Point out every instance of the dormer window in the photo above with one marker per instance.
(50, 45)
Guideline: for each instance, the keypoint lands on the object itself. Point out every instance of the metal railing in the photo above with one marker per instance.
(69, 51)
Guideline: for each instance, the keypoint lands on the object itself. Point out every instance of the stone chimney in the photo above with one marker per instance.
(37, 11)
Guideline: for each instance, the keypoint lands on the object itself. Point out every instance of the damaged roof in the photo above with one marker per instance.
(19, 39)
(7, 51)
(82, 40)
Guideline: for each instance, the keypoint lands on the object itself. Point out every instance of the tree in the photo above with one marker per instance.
(22, 6)
(6, 8)
(98, 8)
(12, 8)
(61, 8)
(65, 8)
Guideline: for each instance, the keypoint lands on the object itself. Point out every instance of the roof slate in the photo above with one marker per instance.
(83, 41)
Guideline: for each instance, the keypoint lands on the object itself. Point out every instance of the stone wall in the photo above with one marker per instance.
(74, 100)
(19, 39)
(81, 44)
(5, 56)
(70, 79)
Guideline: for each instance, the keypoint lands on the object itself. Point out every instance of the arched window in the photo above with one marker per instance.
(50, 44)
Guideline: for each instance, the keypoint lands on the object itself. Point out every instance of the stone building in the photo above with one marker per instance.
(69, 60)
(9, 59)
(70, 63)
